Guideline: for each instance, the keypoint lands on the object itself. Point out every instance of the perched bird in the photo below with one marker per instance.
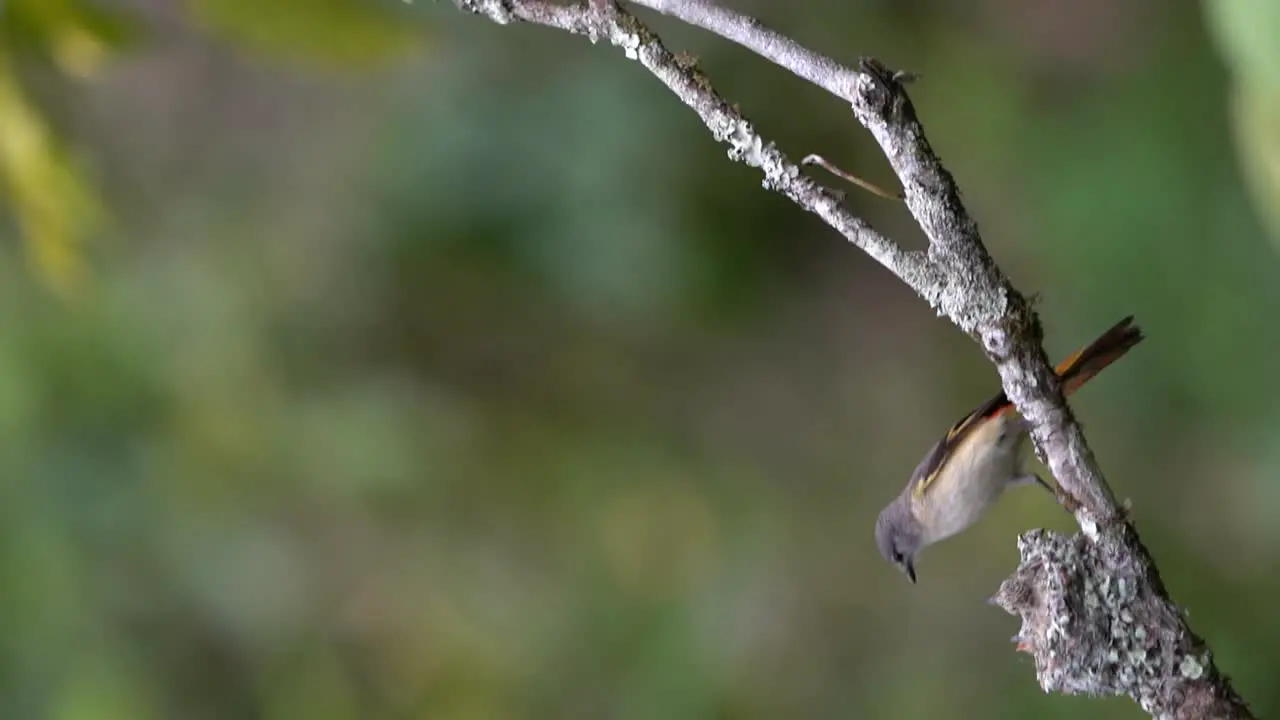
(966, 471)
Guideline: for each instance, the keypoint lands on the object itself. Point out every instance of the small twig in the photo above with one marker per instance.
(850, 177)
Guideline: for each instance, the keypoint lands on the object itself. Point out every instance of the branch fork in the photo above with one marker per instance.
(1095, 615)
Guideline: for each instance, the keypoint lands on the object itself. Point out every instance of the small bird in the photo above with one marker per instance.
(966, 471)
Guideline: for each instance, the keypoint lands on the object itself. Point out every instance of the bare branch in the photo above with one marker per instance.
(1082, 599)
(981, 301)
(726, 124)
(1072, 604)
(986, 305)
(770, 44)
(1098, 621)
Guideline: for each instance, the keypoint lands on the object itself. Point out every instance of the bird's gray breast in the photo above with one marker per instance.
(971, 481)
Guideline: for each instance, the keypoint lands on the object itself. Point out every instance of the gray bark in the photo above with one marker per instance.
(1095, 615)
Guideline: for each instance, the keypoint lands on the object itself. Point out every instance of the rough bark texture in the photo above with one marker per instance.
(1095, 615)
(1098, 621)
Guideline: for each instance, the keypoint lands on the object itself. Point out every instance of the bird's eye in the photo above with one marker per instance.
(897, 558)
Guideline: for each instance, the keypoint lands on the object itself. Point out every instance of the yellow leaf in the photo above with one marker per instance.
(80, 52)
(341, 32)
(53, 204)
(76, 35)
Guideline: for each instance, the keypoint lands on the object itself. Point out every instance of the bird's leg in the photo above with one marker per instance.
(1064, 499)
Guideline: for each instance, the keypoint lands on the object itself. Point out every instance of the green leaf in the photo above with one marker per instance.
(104, 688)
(1245, 32)
(346, 33)
(1255, 117)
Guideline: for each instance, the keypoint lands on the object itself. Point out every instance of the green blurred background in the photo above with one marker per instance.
(371, 360)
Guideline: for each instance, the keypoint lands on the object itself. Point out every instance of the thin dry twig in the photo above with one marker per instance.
(850, 177)
(1096, 615)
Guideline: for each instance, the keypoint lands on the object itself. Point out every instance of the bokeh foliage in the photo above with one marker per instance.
(439, 369)
(45, 186)
(49, 192)
(1246, 32)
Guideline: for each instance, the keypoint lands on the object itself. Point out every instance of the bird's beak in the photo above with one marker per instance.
(910, 569)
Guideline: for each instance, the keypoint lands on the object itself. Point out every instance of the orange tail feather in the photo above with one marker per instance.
(1080, 367)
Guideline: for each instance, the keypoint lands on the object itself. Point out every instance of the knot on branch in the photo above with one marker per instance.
(879, 90)
(1095, 625)
(499, 11)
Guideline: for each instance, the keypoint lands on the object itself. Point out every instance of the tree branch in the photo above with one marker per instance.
(727, 125)
(1095, 613)
(769, 44)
